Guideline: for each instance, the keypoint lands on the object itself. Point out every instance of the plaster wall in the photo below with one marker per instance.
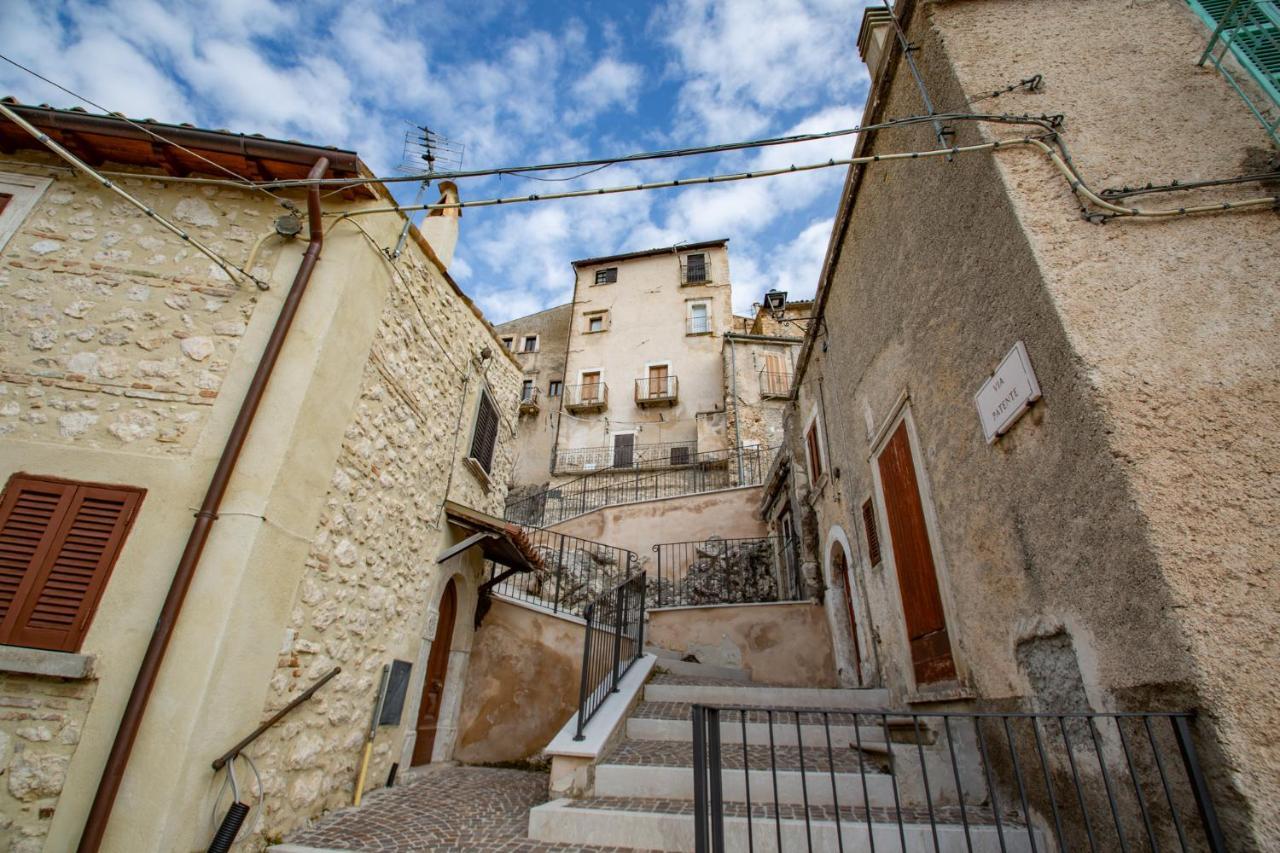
(637, 527)
(757, 402)
(647, 323)
(535, 432)
(1125, 518)
(787, 643)
(522, 685)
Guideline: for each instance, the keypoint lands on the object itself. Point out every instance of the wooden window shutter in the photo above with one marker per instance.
(484, 440)
(873, 535)
(815, 451)
(58, 543)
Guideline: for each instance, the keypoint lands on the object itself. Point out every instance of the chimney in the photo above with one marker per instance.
(873, 37)
(441, 226)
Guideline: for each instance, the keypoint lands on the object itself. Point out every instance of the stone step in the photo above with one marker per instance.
(665, 824)
(676, 783)
(868, 738)
(706, 691)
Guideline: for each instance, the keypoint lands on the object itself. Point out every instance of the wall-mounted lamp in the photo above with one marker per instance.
(776, 302)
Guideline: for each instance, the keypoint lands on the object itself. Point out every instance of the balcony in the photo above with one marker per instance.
(668, 454)
(775, 386)
(657, 391)
(588, 397)
(529, 401)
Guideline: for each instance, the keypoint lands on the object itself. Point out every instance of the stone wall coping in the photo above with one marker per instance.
(610, 717)
(540, 608)
(808, 601)
(44, 662)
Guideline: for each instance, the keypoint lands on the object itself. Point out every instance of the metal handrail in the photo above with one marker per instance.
(656, 455)
(657, 389)
(614, 620)
(587, 394)
(221, 760)
(569, 566)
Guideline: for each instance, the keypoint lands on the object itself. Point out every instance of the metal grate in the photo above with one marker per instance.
(1248, 31)
(873, 535)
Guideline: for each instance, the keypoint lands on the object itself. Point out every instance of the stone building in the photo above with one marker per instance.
(382, 437)
(539, 342)
(759, 362)
(1113, 548)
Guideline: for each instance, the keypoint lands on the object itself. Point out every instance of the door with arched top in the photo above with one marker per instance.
(437, 671)
(840, 569)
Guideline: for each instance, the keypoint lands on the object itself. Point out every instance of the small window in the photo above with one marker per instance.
(699, 318)
(815, 451)
(873, 534)
(484, 438)
(608, 275)
(526, 391)
(509, 343)
(530, 343)
(694, 269)
(59, 541)
(596, 322)
(554, 388)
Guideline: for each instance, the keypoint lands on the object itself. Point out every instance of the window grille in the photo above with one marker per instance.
(1248, 30)
(694, 269)
(608, 275)
(484, 439)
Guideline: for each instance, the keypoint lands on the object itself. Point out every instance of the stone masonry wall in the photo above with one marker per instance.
(114, 333)
(40, 724)
(363, 597)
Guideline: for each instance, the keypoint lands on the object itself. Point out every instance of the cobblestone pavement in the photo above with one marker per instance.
(442, 809)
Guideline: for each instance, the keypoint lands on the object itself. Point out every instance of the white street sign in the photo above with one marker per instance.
(1007, 394)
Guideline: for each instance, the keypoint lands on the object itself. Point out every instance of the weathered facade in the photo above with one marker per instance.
(539, 343)
(1112, 549)
(126, 355)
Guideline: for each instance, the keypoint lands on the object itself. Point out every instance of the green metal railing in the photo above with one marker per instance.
(1248, 31)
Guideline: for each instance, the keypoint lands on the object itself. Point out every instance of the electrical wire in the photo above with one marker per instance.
(243, 181)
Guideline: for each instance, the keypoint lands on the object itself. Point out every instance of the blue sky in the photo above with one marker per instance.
(516, 82)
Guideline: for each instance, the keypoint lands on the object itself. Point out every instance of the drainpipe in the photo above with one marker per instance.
(112, 774)
(737, 434)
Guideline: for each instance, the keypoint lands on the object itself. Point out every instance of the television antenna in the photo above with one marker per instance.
(425, 151)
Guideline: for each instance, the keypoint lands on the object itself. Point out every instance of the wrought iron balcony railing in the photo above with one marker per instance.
(588, 397)
(657, 391)
(775, 385)
(726, 571)
(528, 401)
(648, 456)
(695, 269)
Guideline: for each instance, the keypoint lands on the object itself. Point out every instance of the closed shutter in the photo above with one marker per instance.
(485, 437)
(873, 534)
(58, 544)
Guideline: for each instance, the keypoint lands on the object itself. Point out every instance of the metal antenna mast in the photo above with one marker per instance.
(422, 145)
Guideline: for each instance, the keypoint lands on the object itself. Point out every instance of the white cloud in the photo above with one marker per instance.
(609, 82)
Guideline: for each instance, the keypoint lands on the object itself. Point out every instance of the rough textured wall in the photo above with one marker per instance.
(363, 599)
(535, 431)
(40, 723)
(775, 643)
(113, 333)
(757, 400)
(728, 514)
(522, 684)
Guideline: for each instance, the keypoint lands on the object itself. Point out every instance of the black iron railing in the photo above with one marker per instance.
(725, 571)
(613, 641)
(590, 395)
(657, 389)
(705, 472)
(657, 455)
(572, 574)
(695, 269)
(813, 779)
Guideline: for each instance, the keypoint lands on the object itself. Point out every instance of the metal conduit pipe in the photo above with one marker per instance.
(118, 759)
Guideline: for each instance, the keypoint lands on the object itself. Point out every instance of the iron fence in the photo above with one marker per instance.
(573, 573)
(705, 472)
(726, 571)
(613, 641)
(790, 779)
(589, 395)
(695, 269)
(657, 455)
(657, 389)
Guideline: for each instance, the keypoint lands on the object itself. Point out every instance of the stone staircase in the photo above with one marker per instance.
(866, 775)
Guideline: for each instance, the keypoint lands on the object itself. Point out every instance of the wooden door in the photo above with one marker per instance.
(658, 380)
(437, 669)
(840, 568)
(590, 387)
(913, 559)
(624, 445)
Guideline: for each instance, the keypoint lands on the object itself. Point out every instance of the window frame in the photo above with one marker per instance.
(690, 304)
(25, 192)
(602, 316)
(555, 387)
(602, 276)
(509, 341)
(485, 465)
(524, 343)
(815, 452)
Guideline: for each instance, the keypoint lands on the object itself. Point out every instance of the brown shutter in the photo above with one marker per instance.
(873, 535)
(51, 584)
(485, 437)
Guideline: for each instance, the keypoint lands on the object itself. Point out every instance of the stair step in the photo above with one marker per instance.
(708, 691)
(666, 824)
(869, 738)
(676, 783)
(657, 753)
(704, 670)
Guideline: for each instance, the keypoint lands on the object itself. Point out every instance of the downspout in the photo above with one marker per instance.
(737, 433)
(113, 773)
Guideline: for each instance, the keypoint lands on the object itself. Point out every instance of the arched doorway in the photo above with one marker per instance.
(437, 669)
(840, 569)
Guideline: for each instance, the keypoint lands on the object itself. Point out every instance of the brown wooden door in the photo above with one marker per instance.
(624, 446)
(658, 381)
(590, 387)
(437, 669)
(913, 558)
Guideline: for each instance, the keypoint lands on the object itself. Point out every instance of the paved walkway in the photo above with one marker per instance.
(441, 809)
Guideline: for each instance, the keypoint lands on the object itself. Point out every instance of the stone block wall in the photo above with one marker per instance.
(40, 723)
(114, 333)
(364, 594)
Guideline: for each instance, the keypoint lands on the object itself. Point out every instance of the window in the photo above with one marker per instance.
(608, 275)
(812, 444)
(699, 318)
(591, 386)
(18, 196)
(694, 269)
(484, 438)
(509, 343)
(873, 534)
(526, 391)
(596, 322)
(554, 388)
(59, 541)
(530, 343)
